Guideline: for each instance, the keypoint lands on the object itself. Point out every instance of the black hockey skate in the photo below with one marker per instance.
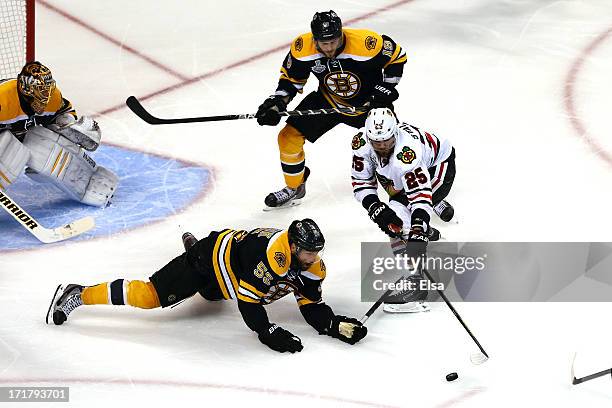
(444, 210)
(433, 234)
(65, 300)
(287, 197)
(189, 240)
(408, 301)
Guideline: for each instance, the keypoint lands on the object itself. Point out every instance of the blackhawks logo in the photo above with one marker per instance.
(357, 141)
(280, 259)
(407, 155)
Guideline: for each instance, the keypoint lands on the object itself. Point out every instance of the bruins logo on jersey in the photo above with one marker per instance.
(357, 141)
(280, 259)
(343, 84)
(407, 155)
(323, 268)
(299, 43)
(370, 42)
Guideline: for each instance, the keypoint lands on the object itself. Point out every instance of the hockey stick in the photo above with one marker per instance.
(476, 358)
(143, 114)
(379, 302)
(588, 377)
(45, 235)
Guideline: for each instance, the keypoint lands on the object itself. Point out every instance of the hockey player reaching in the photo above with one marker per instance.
(417, 169)
(255, 268)
(354, 67)
(40, 132)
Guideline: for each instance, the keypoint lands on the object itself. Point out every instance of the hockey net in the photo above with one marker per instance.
(16, 36)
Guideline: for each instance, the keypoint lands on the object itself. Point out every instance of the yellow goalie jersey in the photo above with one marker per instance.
(364, 60)
(16, 115)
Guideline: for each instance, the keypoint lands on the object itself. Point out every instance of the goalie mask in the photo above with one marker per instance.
(36, 85)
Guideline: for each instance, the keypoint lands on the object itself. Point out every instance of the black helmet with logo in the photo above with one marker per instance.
(305, 234)
(326, 26)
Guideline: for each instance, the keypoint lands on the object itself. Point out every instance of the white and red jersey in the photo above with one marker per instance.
(405, 171)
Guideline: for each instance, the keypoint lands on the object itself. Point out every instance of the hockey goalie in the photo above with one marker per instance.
(41, 135)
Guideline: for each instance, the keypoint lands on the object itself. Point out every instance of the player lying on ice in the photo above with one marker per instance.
(255, 268)
(417, 169)
(40, 132)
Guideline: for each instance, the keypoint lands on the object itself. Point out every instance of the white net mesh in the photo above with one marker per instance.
(13, 30)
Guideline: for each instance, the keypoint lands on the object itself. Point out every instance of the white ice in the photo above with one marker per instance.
(500, 78)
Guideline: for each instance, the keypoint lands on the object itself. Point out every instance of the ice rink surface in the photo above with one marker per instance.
(521, 87)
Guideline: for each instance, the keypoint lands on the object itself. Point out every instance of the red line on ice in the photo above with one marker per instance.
(569, 97)
(185, 81)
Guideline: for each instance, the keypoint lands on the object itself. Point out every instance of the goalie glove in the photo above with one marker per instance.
(386, 219)
(279, 339)
(347, 329)
(268, 111)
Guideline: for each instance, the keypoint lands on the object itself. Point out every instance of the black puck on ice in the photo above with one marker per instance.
(451, 377)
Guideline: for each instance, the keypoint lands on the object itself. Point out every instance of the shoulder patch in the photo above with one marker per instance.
(407, 155)
(323, 268)
(370, 42)
(280, 258)
(358, 141)
(299, 43)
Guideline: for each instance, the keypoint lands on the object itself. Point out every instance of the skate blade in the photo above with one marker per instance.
(290, 204)
(405, 308)
(56, 295)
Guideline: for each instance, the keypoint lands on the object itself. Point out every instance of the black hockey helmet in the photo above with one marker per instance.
(326, 26)
(305, 234)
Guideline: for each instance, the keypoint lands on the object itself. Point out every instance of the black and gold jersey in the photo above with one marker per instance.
(256, 267)
(364, 60)
(18, 117)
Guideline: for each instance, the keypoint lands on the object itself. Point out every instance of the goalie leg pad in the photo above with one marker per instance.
(57, 160)
(101, 187)
(13, 158)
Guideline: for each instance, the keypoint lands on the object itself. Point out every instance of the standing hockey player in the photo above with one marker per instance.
(255, 268)
(416, 169)
(355, 68)
(40, 132)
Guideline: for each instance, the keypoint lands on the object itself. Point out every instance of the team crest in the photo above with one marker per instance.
(318, 67)
(370, 42)
(407, 155)
(323, 268)
(281, 259)
(343, 84)
(299, 43)
(357, 141)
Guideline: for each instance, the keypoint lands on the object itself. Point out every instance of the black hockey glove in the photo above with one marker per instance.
(281, 340)
(347, 329)
(417, 231)
(268, 111)
(386, 218)
(383, 96)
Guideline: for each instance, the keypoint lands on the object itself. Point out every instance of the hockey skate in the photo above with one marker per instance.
(408, 301)
(444, 210)
(65, 300)
(433, 234)
(189, 240)
(287, 197)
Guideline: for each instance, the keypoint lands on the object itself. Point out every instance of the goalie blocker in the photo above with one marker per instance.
(57, 155)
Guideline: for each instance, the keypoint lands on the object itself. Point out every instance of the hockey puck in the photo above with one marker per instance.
(451, 377)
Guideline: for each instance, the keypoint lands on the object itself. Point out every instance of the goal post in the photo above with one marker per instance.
(17, 36)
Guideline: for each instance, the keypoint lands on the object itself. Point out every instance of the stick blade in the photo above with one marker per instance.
(67, 231)
(478, 358)
(141, 112)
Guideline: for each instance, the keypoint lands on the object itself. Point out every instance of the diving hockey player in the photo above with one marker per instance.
(255, 268)
(39, 131)
(417, 169)
(355, 68)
